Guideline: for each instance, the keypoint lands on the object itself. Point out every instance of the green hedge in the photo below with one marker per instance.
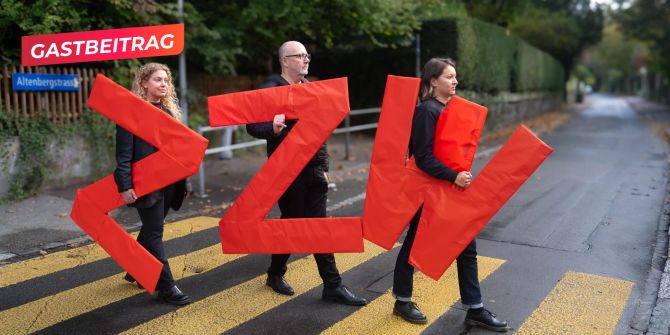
(536, 70)
(488, 61)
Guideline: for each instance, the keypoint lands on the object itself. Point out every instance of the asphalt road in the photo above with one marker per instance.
(568, 254)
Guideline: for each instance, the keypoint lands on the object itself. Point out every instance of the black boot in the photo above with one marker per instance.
(131, 280)
(409, 311)
(279, 285)
(482, 317)
(342, 295)
(174, 296)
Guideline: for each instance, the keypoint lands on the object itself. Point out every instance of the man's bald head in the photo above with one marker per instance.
(290, 48)
(294, 68)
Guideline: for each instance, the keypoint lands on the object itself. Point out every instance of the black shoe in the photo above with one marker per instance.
(131, 280)
(342, 295)
(409, 311)
(485, 319)
(279, 285)
(174, 296)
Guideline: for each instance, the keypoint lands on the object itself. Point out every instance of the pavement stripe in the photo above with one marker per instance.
(236, 305)
(36, 267)
(580, 304)
(42, 313)
(433, 297)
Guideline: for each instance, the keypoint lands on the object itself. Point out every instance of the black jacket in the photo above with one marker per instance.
(423, 136)
(264, 130)
(130, 149)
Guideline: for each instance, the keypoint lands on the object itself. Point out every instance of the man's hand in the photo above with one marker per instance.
(278, 124)
(129, 196)
(463, 179)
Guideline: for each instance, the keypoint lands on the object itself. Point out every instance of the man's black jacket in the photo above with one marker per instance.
(264, 130)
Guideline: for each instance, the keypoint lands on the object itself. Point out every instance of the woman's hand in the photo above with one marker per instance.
(463, 179)
(129, 196)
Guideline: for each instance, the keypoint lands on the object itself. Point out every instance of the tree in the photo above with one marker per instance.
(19, 18)
(615, 60)
(255, 28)
(648, 20)
(500, 12)
(563, 28)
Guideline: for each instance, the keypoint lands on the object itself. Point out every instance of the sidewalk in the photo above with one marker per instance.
(653, 313)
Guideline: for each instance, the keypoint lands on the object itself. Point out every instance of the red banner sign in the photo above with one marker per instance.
(99, 45)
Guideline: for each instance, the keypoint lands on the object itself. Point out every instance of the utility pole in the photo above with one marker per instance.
(182, 70)
(417, 42)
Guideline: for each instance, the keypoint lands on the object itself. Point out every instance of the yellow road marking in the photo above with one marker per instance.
(45, 312)
(236, 305)
(36, 267)
(580, 304)
(433, 297)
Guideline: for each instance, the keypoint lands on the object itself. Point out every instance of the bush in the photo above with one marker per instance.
(488, 61)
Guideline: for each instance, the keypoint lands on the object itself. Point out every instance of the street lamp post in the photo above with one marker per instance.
(182, 70)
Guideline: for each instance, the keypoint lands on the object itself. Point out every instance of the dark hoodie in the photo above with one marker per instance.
(264, 129)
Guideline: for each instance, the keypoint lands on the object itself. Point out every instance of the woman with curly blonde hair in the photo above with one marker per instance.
(153, 83)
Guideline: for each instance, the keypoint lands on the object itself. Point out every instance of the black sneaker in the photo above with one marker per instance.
(409, 311)
(485, 319)
(279, 285)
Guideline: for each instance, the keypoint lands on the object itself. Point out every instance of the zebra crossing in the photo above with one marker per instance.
(81, 290)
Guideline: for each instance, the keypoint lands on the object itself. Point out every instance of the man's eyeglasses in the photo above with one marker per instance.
(301, 56)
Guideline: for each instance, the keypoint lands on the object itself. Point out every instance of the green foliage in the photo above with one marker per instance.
(31, 164)
(555, 32)
(33, 17)
(536, 70)
(100, 134)
(562, 28)
(614, 60)
(485, 56)
(649, 21)
(488, 61)
(36, 134)
(499, 12)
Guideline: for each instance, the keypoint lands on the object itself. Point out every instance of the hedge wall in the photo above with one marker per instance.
(488, 60)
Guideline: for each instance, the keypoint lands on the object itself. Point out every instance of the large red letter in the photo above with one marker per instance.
(320, 107)
(451, 217)
(179, 156)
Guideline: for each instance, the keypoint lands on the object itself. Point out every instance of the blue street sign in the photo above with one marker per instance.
(45, 82)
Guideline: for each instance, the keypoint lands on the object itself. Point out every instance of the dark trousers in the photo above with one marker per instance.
(466, 264)
(151, 235)
(306, 198)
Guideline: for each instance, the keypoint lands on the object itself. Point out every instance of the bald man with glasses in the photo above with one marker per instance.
(306, 197)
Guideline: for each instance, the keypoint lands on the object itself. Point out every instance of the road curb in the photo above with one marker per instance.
(653, 311)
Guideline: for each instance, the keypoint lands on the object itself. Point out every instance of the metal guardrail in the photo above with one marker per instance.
(227, 148)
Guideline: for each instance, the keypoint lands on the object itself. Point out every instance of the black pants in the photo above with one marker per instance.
(151, 235)
(466, 264)
(306, 198)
